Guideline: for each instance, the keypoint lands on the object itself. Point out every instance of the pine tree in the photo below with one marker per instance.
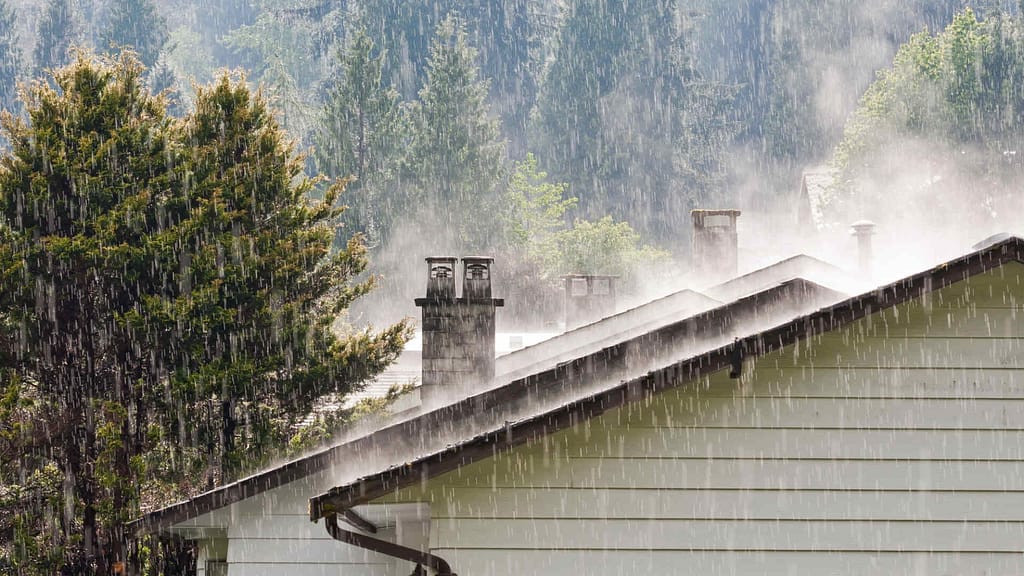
(505, 36)
(56, 34)
(359, 136)
(403, 29)
(169, 297)
(10, 58)
(94, 154)
(456, 156)
(135, 24)
(274, 285)
(625, 119)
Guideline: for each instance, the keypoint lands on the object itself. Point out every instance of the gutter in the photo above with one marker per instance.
(435, 563)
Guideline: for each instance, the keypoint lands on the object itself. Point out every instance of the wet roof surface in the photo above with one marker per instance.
(587, 386)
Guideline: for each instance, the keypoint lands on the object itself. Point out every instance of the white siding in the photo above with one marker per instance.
(894, 446)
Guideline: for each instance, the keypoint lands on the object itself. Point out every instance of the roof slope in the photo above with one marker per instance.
(596, 335)
(662, 312)
(520, 399)
(689, 368)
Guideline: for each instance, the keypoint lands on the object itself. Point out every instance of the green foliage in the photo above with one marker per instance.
(508, 43)
(135, 24)
(163, 81)
(287, 42)
(189, 59)
(455, 161)
(538, 234)
(625, 119)
(359, 136)
(536, 212)
(169, 291)
(955, 102)
(213, 22)
(404, 30)
(603, 247)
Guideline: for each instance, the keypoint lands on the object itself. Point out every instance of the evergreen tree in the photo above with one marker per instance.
(135, 24)
(94, 154)
(10, 58)
(214, 23)
(799, 67)
(505, 36)
(167, 305)
(359, 136)
(403, 29)
(626, 120)
(456, 154)
(288, 46)
(55, 36)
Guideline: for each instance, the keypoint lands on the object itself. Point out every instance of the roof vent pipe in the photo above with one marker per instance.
(588, 298)
(864, 230)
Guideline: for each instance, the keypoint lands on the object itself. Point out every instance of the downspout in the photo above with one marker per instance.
(421, 558)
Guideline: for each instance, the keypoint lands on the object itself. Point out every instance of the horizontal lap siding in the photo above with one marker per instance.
(726, 504)
(274, 542)
(516, 562)
(895, 445)
(758, 474)
(781, 535)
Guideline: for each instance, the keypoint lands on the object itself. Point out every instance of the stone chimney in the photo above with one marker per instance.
(458, 333)
(864, 230)
(715, 251)
(588, 298)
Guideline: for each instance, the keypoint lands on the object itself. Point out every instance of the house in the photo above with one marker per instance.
(792, 430)
(814, 197)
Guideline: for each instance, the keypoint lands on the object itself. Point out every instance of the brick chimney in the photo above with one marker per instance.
(458, 333)
(715, 251)
(588, 297)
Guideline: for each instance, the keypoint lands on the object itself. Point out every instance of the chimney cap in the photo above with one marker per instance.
(433, 259)
(863, 227)
(714, 219)
(477, 259)
(715, 212)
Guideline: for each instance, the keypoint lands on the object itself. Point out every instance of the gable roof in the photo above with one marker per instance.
(519, 399)
(583, 388)
(660, 312)
(678, 373)
(798, 266)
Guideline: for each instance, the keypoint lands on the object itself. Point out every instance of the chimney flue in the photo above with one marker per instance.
(441, 277)
(476, 277)
(864, 230)
(458, 333)
(715, 244)
(588, 298)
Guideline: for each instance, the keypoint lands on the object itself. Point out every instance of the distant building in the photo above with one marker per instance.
(815, 195)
